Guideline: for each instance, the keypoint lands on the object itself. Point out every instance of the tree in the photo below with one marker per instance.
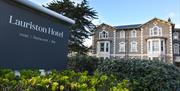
(83, 16)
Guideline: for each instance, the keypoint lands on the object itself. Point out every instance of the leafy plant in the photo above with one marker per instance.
(144, 75)
(66, 80)
(81, 63)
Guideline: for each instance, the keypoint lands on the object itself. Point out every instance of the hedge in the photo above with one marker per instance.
(144, 75)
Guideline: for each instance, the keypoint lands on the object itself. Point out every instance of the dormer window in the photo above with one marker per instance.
(156, 31)
(103, 35)
(133, 33)
(175, 35)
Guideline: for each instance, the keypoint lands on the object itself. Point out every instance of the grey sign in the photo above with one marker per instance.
(30, 38)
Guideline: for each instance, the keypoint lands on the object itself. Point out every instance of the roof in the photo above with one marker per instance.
(45, 10)
(164, 21)
(128, 26)
(132, 26)
(176, 29)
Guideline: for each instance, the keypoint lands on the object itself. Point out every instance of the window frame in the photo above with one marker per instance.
(152, 31)
(133, 34)
(102, 47)
(176, 50)
(155, 46)
(134, 43)
(105, 35)
(176, 34)
(122, 34)
(122, 46)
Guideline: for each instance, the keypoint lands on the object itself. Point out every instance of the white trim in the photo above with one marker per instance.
(134, 45)
(175, 35)
(133, 33)
(101, 36)
(114, 46)
(104, 53)
(122, 44)
(176, 48)
(45, 10)
(141, 42)
(152, 31)
(135, 55)
(177, 59)
(170, 43)
(122, 34)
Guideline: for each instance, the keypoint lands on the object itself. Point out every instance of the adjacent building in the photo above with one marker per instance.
(155, 40)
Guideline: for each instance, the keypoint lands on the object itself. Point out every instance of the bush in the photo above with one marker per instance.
(67, 80)
(144, 75)
(81, 63)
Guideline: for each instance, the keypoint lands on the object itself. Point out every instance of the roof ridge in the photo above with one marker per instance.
(129, 24)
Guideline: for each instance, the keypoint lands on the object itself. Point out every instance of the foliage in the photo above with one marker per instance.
(81, 63)
(144, 75)
(83, 15)
(67, 80)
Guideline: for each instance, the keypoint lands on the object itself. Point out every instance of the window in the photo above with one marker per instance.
(121, 47)
(104, 46)
(107, 47)
(101, 47)
(162, 45)
(176, 48)
(103, 35)
(133, 46)
(149, 46)
(156, 31)
(175, 35)
(122, 34)
(133, 33)
(155, 45)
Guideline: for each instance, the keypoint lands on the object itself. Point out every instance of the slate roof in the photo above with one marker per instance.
(128, 26)
(177, 29)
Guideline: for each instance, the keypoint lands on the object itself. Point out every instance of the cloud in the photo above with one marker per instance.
(77, 1)
(177, 25)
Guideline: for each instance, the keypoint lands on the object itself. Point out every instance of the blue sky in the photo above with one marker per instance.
(120, 12)
(123, 12)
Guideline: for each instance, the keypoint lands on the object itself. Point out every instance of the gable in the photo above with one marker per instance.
(156, 21)
(104, 27)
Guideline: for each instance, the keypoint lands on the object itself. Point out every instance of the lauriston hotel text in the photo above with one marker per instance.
(31, 26)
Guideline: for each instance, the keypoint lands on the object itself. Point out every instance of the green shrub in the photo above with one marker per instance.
(66, 80)
(144, 75)
(81, 63)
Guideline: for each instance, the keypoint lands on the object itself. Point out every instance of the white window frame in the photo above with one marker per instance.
(159, 45)
(176, 48)
(122, 34)
(133, 46)
(133, 34)
(122, 47)
(102, 47)
(106, 46)
(155, 46)
(175, 35)
(102, 36)
(152, 31)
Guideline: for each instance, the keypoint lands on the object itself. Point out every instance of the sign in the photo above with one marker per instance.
(30, 38)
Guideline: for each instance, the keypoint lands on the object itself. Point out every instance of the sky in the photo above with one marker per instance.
(123, 12)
